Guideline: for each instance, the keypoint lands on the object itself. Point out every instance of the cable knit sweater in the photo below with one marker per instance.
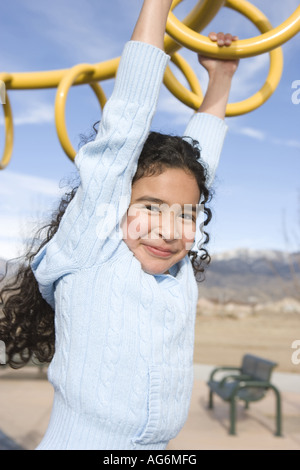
(123, 366)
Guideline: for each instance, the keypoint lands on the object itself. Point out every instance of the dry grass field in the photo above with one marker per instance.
(223, 340)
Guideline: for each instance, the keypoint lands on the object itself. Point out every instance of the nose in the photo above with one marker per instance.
(169, 227)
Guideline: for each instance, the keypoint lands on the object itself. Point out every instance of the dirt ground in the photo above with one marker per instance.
(224, 340)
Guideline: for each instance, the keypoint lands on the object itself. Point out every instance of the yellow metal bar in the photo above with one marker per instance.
(191, 39)
(276, 64)
(182, 34)
(242, 48)
(276, 61)
(190, 98)
(9, 135)
(87, 71)
(9, 126)
(201, 15)
(51, 79)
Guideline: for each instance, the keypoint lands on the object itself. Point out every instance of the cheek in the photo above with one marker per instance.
(136, 226)
(188, 235)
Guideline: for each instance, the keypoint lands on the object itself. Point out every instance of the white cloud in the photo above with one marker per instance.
(14, 230)
(27, 201)
(292, 143)
(257, 134)
(38, 113)
(249, 77)
(9, 227)
(254, 133)
(279, 11)
(30, 108)
(10, 249)
(14, 183)
(80, 31)
(287, 143)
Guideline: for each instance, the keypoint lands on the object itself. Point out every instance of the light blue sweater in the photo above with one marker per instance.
(123, 365)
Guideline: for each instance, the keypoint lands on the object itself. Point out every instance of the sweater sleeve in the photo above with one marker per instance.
(210, 132)
(89, 230)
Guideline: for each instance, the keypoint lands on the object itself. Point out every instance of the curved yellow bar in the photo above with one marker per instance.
(276, 61)
(201, 15)
(9, 127)
(190, 98)
(276, 64)
(242, 48)
(182, 34)
(51, 79)
(197, 19)
(60, 102)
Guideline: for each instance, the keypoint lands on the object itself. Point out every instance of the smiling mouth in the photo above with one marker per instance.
(157, 252)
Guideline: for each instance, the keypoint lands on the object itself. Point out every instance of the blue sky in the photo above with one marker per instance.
(257, 200)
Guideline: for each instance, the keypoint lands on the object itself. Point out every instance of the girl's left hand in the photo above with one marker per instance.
(219, 65)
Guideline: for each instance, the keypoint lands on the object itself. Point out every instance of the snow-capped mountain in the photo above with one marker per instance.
(245, 275)
(248, 254)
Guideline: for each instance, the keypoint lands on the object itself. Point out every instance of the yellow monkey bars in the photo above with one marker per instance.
(180, 34)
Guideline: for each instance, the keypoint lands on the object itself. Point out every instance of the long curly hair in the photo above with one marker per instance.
(27, 320)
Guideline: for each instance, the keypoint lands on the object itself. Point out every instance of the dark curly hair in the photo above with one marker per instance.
(27, 320)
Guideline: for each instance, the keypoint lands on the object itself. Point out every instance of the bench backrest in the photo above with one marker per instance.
(257, 367)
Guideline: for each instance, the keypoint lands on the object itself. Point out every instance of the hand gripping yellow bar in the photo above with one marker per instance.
(185, 36)
(181, 34)
(198, 18)
(193, 99)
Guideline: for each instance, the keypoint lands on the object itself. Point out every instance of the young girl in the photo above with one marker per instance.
(117, 266)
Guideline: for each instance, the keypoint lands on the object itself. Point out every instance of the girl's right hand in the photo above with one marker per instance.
(213, 65)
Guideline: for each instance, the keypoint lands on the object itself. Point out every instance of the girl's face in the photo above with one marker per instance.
(160, 225)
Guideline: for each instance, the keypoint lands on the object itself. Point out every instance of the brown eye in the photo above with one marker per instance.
(188, 217)
(153, 208)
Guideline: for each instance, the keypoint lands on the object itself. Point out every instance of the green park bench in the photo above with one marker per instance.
(249, 383)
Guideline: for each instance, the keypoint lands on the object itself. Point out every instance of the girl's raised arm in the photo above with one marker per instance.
(89, 232)
(220, 74)
(207, 126)
(151, 24)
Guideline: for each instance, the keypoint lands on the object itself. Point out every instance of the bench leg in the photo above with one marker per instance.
(278, 412)
(232, 416)
(210, 401)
